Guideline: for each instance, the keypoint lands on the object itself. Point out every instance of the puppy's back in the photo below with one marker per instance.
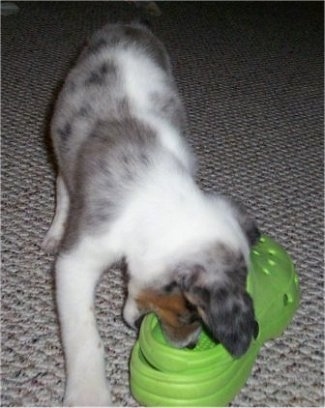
(117, 117)
(124, 72)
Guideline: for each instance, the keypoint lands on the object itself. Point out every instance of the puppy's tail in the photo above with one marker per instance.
(146, 10)
(149, 8)
(143, 22)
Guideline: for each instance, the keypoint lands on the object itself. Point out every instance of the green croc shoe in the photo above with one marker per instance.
(161, 375)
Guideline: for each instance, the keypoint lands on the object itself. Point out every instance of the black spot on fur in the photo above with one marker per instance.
(95, 78)
(65, 132)
(104, 68)
(136, 34)
(170, 287)
(84, 111)
(98, 76)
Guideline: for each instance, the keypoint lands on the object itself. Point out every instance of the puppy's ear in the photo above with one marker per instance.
(224, 306)
(229, 314)
(246, 221)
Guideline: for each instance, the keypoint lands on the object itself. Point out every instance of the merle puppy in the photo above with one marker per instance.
(126, 190)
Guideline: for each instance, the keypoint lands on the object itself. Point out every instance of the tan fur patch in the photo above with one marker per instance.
(177, 320)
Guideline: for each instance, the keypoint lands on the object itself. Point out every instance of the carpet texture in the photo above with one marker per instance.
(251, 75)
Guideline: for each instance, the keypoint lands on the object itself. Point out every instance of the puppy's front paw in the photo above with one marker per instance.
(131, 313)
(87, 397)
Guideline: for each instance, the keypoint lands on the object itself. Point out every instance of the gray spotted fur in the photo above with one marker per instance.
(101, 148)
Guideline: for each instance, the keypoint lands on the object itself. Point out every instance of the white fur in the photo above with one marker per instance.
(76, 279)
(141, 78)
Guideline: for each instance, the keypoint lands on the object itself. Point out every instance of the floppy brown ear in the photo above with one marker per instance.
(246, 221)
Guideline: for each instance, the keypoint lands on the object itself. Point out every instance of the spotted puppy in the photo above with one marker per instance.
(126, 190)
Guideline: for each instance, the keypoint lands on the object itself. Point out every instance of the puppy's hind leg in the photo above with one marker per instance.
(77, 273)
(55, 233)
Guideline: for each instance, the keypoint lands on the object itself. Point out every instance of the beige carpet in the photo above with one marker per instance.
(251, 75)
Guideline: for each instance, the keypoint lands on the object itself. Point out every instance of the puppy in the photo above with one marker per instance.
(126, 190)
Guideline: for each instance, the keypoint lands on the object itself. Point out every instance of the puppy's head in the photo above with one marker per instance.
(179, 320)
(224, 306)
(214, 281)
(209, 285)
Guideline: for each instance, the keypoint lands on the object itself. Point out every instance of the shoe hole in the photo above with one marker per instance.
(266, 270)
(256, 330)
(287, 299)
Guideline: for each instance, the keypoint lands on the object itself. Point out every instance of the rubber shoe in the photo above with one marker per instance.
(207, 375)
